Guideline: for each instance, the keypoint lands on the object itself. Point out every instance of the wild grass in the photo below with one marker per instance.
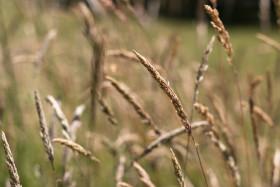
(14, 177)
(80, 59)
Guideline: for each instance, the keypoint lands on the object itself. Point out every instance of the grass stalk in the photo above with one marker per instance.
(123, 90)
(44, 132)
(223, 38)
(14, 177)
(177, 169)
(76, 148)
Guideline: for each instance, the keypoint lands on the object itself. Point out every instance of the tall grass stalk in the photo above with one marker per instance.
(223, 38)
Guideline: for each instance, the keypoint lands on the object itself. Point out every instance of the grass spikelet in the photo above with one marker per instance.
(214, 137)
(136, 105)
(107, 110)
(253, 84)
(60, 115)
(222, 34)
(122, 53)
(144, 176)
(169, 136)
(53, 123)
(255, 128)
(204, 111)
(264, 116)
(14, 177)
(225, 131)
(177, 169)
(231, 162)
(269, 41)
(199, 74)
(76, 122)
(261, 114)
(168, 90)
(44, 132)
(223, 38)
(128, 55)
(174, 100)
(75, 125)
(76, 148)
(199, 77)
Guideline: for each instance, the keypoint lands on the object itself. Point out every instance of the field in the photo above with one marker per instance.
(93, 66)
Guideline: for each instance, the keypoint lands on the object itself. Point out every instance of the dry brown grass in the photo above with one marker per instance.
(214, 137)
(260, 113)
(168, 90)
(199, 75)
(60, 115)
(269, 41)
(168, 136)
(177, 169)
(222, 34)
(123, 90)
(44, 132)
(254, 82)
(107, 110)
(14, 177)
(144, 176)
(72, 64)
(223, 38)
(77, 148)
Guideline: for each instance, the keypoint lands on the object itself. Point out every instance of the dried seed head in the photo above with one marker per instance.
(77, 148)
(106, 109)
(60, 115)
(222, 34)
(144, 176)
(123, 90)
(231, 162)
(168, 91)
(44, 132)
(177, 169)
(14, 177)
(204, 111)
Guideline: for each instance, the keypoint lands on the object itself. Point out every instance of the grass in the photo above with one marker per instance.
(65, 72)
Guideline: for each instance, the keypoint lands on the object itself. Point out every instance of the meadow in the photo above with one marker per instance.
(97, 91)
